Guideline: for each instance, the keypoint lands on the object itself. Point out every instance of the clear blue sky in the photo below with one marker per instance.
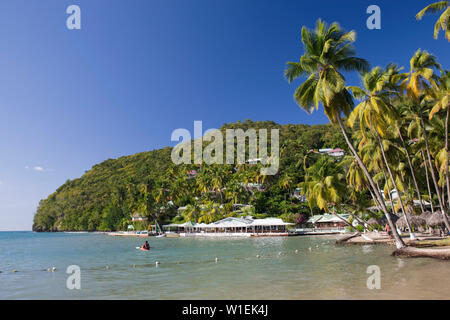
(139, 69)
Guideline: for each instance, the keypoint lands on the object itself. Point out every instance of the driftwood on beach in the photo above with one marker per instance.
(412, 252)
(344, 239)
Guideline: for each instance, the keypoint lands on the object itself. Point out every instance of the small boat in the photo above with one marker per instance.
(162, 235)
(142, 233)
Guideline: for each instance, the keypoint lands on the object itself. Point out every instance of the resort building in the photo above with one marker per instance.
(138, 217)
(333, 152)
(324, 224)
(253, 186)
(235, 227)
(328, 221)
(253, 161)
(192, 174)
(297, 194)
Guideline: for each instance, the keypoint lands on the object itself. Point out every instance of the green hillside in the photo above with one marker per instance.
(106, 196)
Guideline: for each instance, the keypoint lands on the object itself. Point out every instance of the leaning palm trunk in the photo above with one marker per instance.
(389, 194)
(375, 200)
(408, 223)
(345, 221)
(436, 185)
(448, 156)
(398, 240)
(412, 171)
(428, 181)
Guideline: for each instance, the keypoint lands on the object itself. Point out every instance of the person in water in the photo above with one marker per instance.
(388, 231)
(146, 246)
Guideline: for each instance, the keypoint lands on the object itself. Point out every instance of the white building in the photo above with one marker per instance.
(297, 193)
(235, 227)
(337, 152)
(138, 217)
(253, 161)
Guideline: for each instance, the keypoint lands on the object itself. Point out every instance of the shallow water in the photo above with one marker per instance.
(188, 269)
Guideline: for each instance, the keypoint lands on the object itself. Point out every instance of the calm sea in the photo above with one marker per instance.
(112, 268)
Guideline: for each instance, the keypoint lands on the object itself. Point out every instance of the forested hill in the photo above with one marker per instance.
(106, 196)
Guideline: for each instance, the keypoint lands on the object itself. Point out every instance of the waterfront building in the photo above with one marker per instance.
(231, 226)
(138, 217)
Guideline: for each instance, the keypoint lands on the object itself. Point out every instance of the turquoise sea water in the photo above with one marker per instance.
(112, 268)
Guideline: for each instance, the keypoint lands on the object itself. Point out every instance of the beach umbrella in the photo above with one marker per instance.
(415, 221)
(436, 219)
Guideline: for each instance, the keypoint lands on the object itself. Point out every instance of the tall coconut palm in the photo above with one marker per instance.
(325, 186)
(375, 114)
(427, 178)
(421, 79)
(394, 79)
(436, 138)
(399, 127)
(191, 212)
(328, 51)
(441, 101)
(210, 212)
(444, 20)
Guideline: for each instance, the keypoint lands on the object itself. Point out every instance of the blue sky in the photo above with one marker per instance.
(139, 69)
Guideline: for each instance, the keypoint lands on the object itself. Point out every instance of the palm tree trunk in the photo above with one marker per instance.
(428, 181)
(446, 150)
(398, 240)
(408, 223)
(412, 171)
(436, 185)
(345, 221)
(375, 200)
(389, 194)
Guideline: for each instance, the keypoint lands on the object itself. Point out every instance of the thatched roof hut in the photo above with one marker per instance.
(436, 219)
(383, 221)
(372, 221)
(415, 221)
(426, 215)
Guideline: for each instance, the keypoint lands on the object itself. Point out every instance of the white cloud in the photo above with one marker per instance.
(36, 168)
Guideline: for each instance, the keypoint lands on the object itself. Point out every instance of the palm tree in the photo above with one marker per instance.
(325, 186)
(441, 100)
(329, 50)
(443, 21)
(375, 114)
(420, 82)
(234, 191)
(394, 78)
(191, 212)
(427, 178)
(210, 212)
(399, 126)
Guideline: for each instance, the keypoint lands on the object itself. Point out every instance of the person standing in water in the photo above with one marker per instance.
(388, 231)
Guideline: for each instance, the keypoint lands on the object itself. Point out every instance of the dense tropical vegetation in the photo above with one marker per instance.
(399, 125)
(393, 127)
(106, 196)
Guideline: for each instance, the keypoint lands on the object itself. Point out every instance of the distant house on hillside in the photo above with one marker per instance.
(297, 193)
(337, 152)
(253, 161)
(252, 186)
(138, 217)
(192, 174)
